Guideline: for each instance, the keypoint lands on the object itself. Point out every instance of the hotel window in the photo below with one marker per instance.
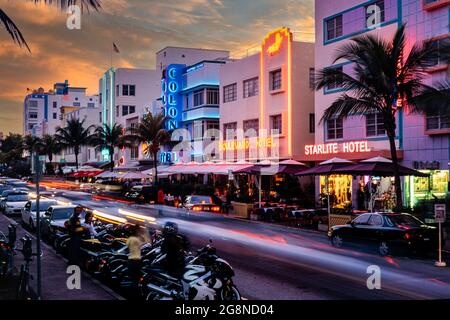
(33, 104)
(124, 110)
(230, 93)
(33, 115)
(443, 52)
(134, 152)
(76, 104)
(55, 104)
(334, 27)
(369, 13)
(229, 130)
(131, 109)
(30, 126)
(212, 130)
(336, 84)
(312, 78)
(55, 115)
(439, 122)
(375, 125)
(251, 87)
(198, 130)
(117, 90)
(335, 129)
(275, 80)
(91, 105)
(117, 111)
(251, 127)
(276, 124)
(186, 102)
(312, 123)
(198, 98)
(212, 96)
(128, 90)
(100, 117)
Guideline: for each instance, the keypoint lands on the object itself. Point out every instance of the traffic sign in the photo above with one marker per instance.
(440, 213)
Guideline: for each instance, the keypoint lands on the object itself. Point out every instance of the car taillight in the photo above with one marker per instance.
(407, 236)
(197, 208)
(216, 209)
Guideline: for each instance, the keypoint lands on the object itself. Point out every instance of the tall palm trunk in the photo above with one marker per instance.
(76, 160)
(398, 188)
(155, 166)
(111, 159)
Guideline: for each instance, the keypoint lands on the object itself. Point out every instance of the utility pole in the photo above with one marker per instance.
(37, 168)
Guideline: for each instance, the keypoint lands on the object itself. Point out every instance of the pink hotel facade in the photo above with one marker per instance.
(423, 142)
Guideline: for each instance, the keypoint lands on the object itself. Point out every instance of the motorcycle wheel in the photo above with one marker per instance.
(230, 293)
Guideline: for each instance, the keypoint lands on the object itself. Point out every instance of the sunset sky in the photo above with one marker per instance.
(139, 28)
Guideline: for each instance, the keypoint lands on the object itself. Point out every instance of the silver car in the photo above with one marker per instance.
(14, 203)
(29, 211)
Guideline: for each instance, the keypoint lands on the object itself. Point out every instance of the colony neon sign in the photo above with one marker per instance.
(335, 148)
(171, 86)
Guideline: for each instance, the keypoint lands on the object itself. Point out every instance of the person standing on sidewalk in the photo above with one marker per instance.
(161, 196)
(135, 241)
(76, 231)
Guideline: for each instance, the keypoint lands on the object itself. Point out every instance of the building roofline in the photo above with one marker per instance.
(190, 48)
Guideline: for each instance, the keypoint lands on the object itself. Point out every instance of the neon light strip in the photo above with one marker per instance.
(262, 90)
(289, 93)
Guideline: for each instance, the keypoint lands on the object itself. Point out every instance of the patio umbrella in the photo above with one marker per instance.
(378, 166)
(108, 174)
(326, 168)
(134, 176)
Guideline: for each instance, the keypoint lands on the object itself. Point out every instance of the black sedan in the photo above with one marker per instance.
(141, 194)
(387, 231)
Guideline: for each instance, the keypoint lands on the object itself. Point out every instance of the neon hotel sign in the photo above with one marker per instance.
(335, 148)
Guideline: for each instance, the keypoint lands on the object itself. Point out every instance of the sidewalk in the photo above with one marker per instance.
(54, 275)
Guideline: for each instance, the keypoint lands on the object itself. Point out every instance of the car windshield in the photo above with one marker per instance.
(405, 220)
(43, 205)
(62, 213)
(17, 198)
(201, 199)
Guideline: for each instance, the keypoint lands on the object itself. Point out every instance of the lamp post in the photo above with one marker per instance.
(38, 226)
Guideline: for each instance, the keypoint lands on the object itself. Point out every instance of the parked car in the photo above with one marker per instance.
(200, 203)
(14, 202)
(387, 231)
(54, 220)
(141, 194)
(4, 187)
(29, 211)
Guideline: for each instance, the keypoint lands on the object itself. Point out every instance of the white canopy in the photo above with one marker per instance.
(335, 160)
(378, 159)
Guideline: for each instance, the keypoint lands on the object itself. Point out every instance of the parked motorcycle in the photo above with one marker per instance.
(205, 277)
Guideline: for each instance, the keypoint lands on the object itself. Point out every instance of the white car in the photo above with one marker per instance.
(14, 203)
(29, 211)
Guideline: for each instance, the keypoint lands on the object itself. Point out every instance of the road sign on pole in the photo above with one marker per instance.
(440, 215)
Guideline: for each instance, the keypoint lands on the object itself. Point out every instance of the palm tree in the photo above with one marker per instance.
(385, 78)
(16, 34)
(49, 145)
(151, 132)
(74, 135)
(110, 138)
(30, 144)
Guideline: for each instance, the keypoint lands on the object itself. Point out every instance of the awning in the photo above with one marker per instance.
(84, 174)
(206, 168)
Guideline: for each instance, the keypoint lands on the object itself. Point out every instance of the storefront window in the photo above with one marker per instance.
(340, 188)
(423, 188)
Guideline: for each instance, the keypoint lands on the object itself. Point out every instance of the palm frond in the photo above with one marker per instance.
(13, 30)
